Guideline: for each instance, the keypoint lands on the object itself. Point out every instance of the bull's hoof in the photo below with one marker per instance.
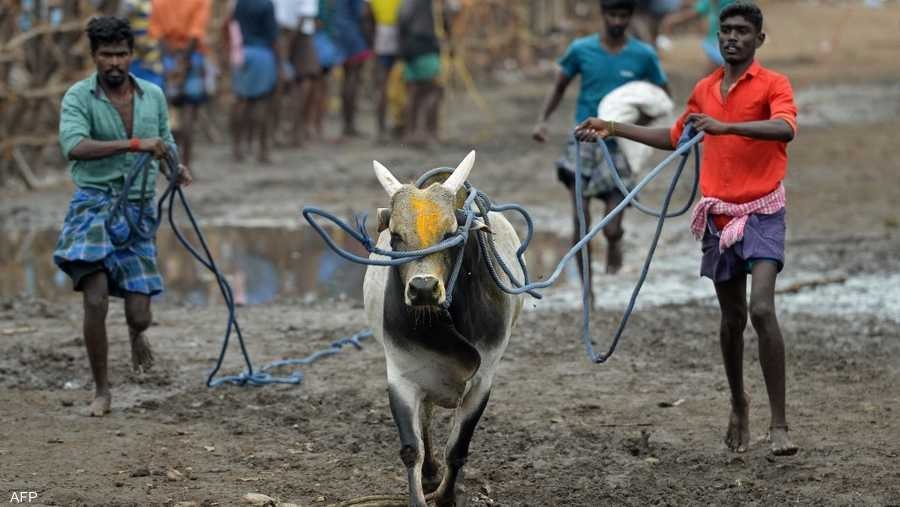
(431, 483)
(450, 499)
(454, 501)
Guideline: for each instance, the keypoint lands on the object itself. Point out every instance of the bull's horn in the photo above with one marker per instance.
(387, 180)
(460, 174)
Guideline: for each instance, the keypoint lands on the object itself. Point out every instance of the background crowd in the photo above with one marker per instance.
(277, 57)
(280, 56)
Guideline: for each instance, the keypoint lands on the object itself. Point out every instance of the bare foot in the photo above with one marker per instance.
(100, 406)
(738, 436)
(141, 354)
(780, 443)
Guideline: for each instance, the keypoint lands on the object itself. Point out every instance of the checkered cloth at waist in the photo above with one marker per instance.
(734, 231)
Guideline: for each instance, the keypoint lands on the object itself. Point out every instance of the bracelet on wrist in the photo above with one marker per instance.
(134, 144)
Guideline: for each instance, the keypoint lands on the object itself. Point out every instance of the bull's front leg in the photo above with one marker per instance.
(465, 420)
(431, 477)
(406, 407)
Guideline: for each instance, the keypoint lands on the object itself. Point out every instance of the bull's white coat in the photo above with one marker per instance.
(420, 368)
(423, 376)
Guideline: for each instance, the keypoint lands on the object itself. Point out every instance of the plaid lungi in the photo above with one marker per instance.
(86, 244)
(597, 177)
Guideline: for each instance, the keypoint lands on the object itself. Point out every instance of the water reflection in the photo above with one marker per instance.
(260, 263)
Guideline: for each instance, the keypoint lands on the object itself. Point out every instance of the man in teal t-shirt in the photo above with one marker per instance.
(604, 61)
(107, 122)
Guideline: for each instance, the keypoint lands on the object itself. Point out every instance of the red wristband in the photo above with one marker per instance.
(134, 144)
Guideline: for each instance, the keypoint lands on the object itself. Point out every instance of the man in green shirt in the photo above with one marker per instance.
(106, 122)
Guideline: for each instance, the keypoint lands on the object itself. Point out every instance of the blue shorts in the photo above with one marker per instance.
(329, 54)
(257, 76)
(763, 240)
(192, 90)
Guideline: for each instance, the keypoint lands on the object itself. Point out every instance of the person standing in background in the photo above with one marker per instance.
(297, 20)
(421, 51)
(346, 32)
(180, 27)
(254, 81)
(147, 61)
(286, 99)
(307, 68)
(383, 15)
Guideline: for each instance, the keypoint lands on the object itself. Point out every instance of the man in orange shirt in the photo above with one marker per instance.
(180, 27)
(749, 116)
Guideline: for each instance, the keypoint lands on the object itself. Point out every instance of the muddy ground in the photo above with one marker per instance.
(645, 428)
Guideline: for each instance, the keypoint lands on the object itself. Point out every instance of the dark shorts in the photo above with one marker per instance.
(303, 57)
(597, 178)
(763, 240)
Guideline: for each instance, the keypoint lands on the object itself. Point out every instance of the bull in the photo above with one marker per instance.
(437, 358)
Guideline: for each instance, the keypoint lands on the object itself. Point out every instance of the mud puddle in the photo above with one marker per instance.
(262, 264)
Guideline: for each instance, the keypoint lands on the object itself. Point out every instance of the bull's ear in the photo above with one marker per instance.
(459, 176)
(384, 218)
(387, 180)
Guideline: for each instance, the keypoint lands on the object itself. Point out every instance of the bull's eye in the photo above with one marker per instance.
(396, 240)
(449, 235)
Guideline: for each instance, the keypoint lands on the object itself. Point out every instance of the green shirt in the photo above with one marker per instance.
(87, 113)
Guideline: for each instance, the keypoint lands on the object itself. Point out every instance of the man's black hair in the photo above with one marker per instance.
(109, 30)
(746, 10)
(628, 5)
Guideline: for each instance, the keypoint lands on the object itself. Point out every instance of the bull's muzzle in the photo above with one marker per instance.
(424, 291)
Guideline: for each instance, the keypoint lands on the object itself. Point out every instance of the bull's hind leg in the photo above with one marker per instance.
(406, 407)
(464, 422)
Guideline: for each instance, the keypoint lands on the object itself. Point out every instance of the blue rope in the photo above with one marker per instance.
(689, 141)
(173, 190)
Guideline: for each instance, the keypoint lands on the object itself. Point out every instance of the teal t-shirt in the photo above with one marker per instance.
(602, 72)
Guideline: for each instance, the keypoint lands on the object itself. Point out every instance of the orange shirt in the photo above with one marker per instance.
(739, 169)
(178, 21)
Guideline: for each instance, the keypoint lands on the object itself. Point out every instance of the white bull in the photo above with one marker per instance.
(432, 360)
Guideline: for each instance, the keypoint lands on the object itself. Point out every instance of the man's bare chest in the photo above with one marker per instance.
(126, 113)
